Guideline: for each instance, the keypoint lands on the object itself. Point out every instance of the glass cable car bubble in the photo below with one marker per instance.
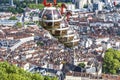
(51, 19)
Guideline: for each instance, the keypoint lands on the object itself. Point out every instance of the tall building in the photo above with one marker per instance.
(73, 1)
(96, 1)
(82, 3)
(11, 2)
(36, 1)
(107, 1)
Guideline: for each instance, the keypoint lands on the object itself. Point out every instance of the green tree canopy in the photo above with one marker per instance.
(82, 65)
(40, 43)
(13, 18)
(11, 72)
(34, 6)
(19, 25)
(111, 61)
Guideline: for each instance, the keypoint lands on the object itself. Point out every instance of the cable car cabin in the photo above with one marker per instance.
(50, 18)
(74, 42)
(68, 37)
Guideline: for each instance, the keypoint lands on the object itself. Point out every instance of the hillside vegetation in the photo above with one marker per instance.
(111, 61)
(11, 72)
(20, 5)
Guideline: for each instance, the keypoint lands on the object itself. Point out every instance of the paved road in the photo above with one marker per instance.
(23, 40)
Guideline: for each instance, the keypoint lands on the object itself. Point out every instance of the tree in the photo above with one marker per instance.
(3, 75)
(19, 25)
(11, 72)
(47, 78)
(34, 6)
(85, 6)
(13, 18)
(37, 77)
(82, 65)
(12, 9)
(12, 76)
(21, 4)
(40, 43)
(111, 61)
